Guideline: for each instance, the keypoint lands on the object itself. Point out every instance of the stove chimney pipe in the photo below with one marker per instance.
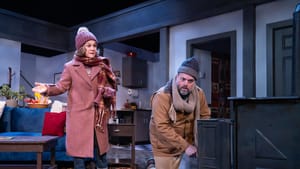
(296, 51)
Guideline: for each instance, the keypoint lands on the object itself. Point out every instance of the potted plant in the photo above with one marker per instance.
(11, 96)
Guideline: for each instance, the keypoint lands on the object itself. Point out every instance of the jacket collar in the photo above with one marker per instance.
(80, 69)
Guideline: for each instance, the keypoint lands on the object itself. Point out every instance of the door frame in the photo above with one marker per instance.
(270, 52)
(206, 39)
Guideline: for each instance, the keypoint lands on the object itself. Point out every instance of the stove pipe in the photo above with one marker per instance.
(296, 50)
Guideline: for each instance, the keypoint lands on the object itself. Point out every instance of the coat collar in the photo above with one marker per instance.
(80, 69)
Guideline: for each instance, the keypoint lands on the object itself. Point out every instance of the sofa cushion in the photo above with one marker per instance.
(5, 120)
(28, 119)
(54, 123)
(15, 133)
(61, 144)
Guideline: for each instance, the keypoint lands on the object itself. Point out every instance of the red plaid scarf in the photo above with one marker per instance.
(106, 77)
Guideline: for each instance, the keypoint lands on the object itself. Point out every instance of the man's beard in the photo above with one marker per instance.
(184, 92)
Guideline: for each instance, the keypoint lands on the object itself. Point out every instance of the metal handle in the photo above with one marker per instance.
(117, 130)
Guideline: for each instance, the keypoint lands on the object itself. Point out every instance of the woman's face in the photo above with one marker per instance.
(90, 48)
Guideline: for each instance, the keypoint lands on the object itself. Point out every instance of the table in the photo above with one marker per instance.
(37, 144)
(124, 130)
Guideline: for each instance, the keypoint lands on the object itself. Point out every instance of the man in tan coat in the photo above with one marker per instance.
(175, 109)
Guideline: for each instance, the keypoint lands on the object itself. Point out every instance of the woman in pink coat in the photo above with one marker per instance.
(91, 88)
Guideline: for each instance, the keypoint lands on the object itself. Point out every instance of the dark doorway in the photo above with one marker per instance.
(217, 58)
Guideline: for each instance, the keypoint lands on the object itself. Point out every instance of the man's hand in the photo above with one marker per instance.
(191, 150)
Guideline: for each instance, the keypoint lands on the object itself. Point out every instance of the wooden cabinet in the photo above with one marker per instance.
(215, 143)
(266, 132)
(141, 120)
(124, 130)
(134, 72)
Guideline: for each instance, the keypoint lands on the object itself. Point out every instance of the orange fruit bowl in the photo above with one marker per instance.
(37, 105)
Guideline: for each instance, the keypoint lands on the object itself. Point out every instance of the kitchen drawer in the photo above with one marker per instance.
(126, 130)
(121, 130)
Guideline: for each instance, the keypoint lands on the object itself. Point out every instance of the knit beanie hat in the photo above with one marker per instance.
(190, 66)
(83, 35)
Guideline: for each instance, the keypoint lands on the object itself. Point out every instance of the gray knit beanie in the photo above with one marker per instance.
(190, 66)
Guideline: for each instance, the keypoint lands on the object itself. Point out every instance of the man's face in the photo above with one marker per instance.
(185, 83)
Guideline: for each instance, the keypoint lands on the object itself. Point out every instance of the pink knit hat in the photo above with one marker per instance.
(83, 35)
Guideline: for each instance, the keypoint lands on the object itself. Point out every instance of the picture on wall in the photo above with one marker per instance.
(118, 76)
(117, 73)
(56, 77)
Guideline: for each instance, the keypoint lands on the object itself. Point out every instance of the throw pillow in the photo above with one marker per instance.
(54, 124)
(57, 106)
(2, 105)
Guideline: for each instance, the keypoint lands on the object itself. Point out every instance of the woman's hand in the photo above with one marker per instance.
(108, 92)
(104, 92)
(39, 88)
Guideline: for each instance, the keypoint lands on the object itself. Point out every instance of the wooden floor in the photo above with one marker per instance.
(143, 153)
(22, 166)
(144, 158)
(118, 157)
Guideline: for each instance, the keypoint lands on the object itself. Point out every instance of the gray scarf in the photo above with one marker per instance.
(181, 105)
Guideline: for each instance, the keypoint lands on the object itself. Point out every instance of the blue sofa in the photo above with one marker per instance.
(28, 121)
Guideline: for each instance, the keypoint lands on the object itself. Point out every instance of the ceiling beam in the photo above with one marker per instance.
(33, 32)
(139, 19)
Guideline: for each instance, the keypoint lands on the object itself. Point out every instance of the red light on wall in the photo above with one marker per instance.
(131, 54)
